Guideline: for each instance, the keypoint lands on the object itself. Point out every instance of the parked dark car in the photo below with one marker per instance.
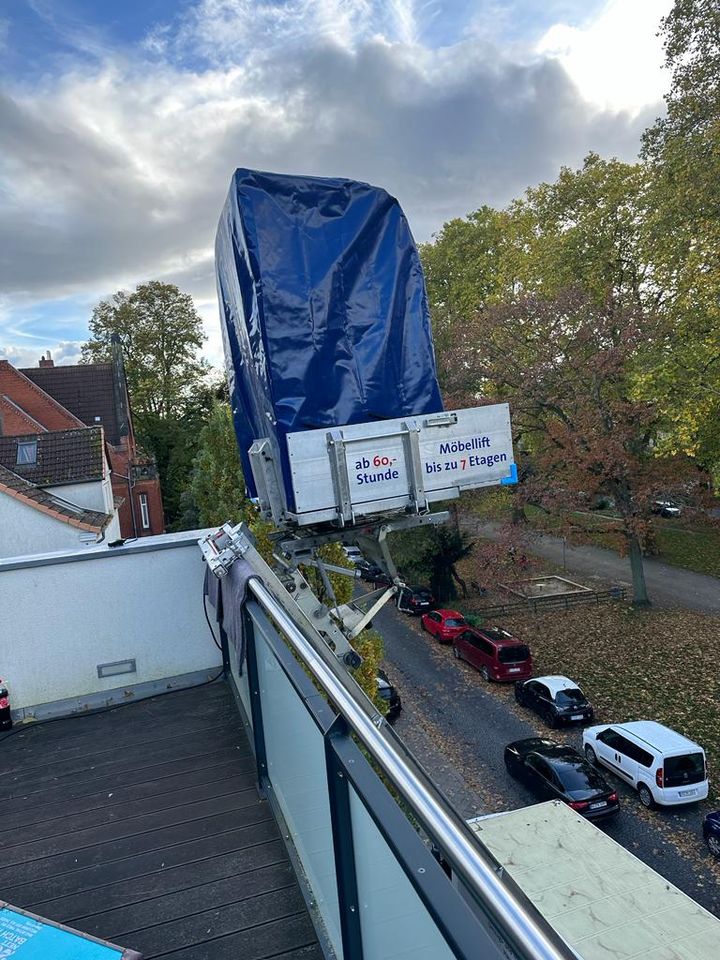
(372, 573)
(444, 624)
(557, 699)
(389, 693)
(554, 771)
(415, 600)
(711, 832)
(497, 654)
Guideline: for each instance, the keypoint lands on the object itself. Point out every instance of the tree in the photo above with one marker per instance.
(161, 334)
(463, 272)
(682, 229)
(584, 230)
(573, 404)
(217, 485)
(430, 555)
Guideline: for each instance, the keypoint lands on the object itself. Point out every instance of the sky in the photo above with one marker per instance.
(121, 124)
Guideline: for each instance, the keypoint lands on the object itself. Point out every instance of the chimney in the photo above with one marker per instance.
(119, 386)
(46, 361)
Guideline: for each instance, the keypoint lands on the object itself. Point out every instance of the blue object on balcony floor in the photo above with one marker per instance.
(28, 937)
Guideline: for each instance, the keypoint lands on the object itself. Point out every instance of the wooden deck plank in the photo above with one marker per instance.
(143, 825)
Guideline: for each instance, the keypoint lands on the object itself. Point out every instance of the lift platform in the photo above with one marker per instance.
(335, 399)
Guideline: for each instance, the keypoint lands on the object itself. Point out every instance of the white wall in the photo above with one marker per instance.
(90, 494)
(64, 614)
(24, 530)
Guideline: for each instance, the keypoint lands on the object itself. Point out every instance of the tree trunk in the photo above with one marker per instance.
(518, 514)
(458, 579)
(640, 594)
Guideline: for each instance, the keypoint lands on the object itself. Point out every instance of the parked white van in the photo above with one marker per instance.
(664, 767)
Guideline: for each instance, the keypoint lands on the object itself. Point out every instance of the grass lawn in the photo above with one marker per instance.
(693, 549)
(654, 665)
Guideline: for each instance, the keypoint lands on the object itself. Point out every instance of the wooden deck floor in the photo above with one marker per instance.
(143, 826)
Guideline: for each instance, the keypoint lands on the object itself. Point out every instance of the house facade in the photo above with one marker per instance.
(96, 394)
(70, 470)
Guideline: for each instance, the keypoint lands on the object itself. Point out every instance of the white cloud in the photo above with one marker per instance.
(66, 351)
(115, 173)
(616, 58)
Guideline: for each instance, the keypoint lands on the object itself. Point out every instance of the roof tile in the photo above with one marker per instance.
(63, 456)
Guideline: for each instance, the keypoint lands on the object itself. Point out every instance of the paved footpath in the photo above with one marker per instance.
(668, 586)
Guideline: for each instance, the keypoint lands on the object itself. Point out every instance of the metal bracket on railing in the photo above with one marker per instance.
(222, 548)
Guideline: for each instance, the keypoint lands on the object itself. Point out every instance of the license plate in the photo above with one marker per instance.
(576, 716)
(686, 793)
(599, 805)
(514, 670)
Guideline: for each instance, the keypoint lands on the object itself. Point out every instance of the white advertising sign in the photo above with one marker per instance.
(460, 449)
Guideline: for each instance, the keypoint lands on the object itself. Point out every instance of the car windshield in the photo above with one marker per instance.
(570, 698)
(385, 692)
(514, 654)
(578, 779)
(455, 622)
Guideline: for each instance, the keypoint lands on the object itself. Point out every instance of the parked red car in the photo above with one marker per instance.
(443, 624)
(497, 654)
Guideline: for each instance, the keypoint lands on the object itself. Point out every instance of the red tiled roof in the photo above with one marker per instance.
(27, 493)
(34, 401)
(63, 456)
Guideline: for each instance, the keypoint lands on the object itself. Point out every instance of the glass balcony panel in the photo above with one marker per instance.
(296, 768)
(394, 921)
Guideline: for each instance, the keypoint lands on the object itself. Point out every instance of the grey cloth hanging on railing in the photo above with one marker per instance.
(228, 597)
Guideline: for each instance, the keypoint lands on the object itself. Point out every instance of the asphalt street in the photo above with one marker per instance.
(667, 585)
(457, 725)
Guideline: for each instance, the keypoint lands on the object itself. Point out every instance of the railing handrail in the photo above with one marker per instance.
(506, 906)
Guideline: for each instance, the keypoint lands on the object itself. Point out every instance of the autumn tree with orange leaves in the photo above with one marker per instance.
(567, 366)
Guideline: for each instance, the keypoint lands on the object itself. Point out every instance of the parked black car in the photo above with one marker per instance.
(557, 699)
(372, 573)
(389, 693)
(415, 600)
(554, 771)
(711, 832)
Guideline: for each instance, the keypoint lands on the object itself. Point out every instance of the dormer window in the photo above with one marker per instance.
(26, 452)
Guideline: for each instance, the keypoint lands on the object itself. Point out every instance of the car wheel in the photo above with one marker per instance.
(456, 653)
(485, 673)
(713, 843)
(422, 625)
(646, 797)
(590, 755)
(551, 719)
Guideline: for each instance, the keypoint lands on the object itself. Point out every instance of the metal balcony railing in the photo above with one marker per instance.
(360, 815)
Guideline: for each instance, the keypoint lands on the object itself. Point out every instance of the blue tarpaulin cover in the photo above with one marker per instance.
(323, 306)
